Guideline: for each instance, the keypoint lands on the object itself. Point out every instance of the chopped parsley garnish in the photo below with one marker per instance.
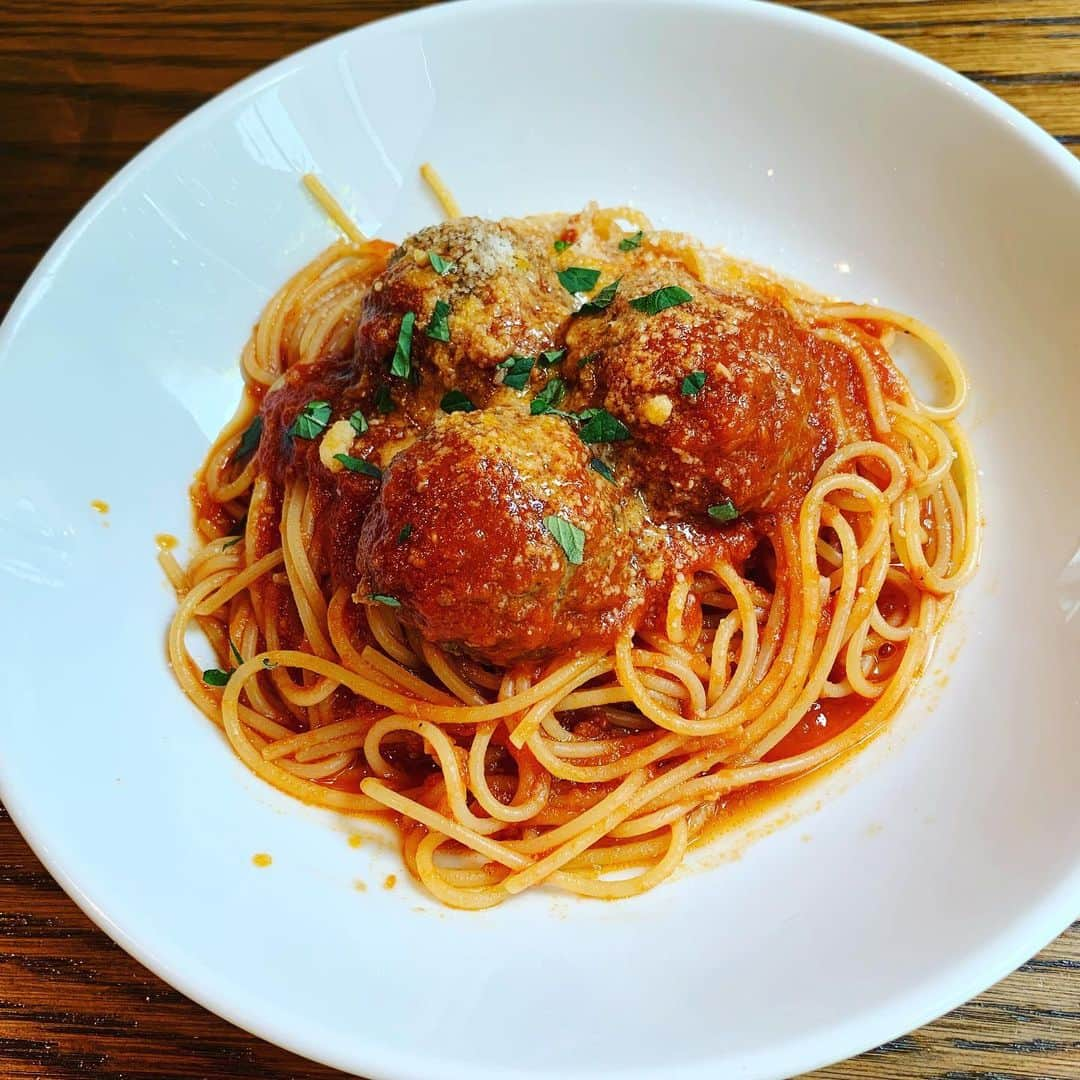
(587, 359)
(550, 357)
(440, 265)
(217, 677)
(602, 467)
(382, 598)
(628, 243)
(575, 279)
(723, 511)
(268, 663)
(516, 371)
(561, 245)
(359, 422)
(383, 401)
(601, 300)
(456, 401)
(569, 537)
(693, 384)
(311, 421)
(600, 426)
(355, 464)
(406, 532)
(231, 542)
(401, 365)
(661, 300)
(439, 327)
(250, 439)
(548, 398)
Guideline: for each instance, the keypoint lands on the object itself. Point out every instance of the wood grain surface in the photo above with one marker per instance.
(83, 87)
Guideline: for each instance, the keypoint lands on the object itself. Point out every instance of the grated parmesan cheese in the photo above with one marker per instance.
(657, 409)
(337, 440)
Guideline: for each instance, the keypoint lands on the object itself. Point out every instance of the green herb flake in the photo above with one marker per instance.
(455, 401)
(723, 511)
(231, 542)
(516, 371)
(602, 467)
(601, 427)
(359, 422)
(561, 245)
(311, 421)
(655, 302)
(401, 365)
(215, 676)
(355, 464)
(628, 243)
(440, 265)
(250, 439)
(235, 651)
(384, 403)
(694, 383)
(268, 663)
(568, 536)
(382, 598)
(550, 357)
(548, 398)
(601, 300)
(588, 360)
(406, 532)
(439, 327)
(577, 279)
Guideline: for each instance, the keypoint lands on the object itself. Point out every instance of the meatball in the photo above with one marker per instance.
(742, 433)
(501, 287)
(465, 536)
(340, 496)
(280, 455)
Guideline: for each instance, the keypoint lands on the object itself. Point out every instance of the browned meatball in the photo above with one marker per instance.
(501, 288)
(458, 537)
(286, 453)
(743, 435)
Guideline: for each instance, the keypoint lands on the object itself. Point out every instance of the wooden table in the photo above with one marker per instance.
(83, 87)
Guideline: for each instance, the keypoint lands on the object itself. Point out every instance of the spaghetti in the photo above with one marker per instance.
(590, 767)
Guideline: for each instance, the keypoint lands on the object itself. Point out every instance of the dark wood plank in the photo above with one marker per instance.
(84, 86)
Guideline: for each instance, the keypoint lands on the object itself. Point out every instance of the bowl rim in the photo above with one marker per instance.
(1031, 931)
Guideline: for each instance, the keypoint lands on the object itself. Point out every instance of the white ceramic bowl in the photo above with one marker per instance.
(947, 854)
